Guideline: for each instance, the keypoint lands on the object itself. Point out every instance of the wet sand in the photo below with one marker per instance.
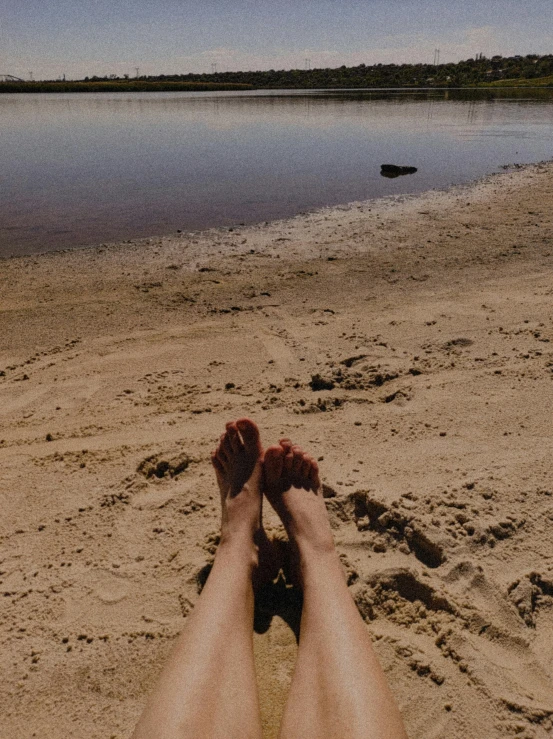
(408, 343)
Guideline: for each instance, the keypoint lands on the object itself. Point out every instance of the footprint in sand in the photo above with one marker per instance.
(532, 595)
(393, 527)
(110, 588)
(468, 628)
(498, 648)
(105, 601)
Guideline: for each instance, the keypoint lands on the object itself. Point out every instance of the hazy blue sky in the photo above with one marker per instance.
(86, 37)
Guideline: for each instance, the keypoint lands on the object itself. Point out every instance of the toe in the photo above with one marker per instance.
(218, 465)
(250, 435)
(226, 446)
(220, 451)
(234, 438)
(286, 444)
(314, 476)
(297, 462)
(304, 472)
(222, 455)
(273, 464)
(288, 461)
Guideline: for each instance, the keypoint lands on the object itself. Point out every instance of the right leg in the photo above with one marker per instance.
(338, 689)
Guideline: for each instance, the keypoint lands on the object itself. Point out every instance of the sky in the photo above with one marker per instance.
(78, 38)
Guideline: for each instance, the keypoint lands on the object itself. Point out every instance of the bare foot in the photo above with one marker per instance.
(238, 467)
(293, 488)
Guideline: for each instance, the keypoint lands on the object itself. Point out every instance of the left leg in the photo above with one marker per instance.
(207, 689)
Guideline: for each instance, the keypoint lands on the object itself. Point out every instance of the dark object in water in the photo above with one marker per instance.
(392, 170)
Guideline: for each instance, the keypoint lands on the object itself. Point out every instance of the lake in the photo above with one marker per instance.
(80, 169)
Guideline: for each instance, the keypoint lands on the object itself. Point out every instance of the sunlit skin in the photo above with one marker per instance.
(208, 687)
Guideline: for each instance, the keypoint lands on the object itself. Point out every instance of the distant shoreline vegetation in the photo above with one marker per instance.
(531, 70)
(150, 84)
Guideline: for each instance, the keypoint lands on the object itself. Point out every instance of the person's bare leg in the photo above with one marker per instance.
(338, 689)
(207, 689)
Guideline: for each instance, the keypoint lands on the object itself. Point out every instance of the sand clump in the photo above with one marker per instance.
(408, 343)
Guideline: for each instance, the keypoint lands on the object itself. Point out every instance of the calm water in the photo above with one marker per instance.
(88, 168)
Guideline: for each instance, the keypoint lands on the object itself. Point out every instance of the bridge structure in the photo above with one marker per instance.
(10, 78)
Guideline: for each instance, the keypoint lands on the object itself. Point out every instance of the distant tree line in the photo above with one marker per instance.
(472, 72)
(532, 69)
(114, 84)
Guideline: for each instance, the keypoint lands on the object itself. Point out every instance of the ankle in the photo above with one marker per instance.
(238, 548)
(317, 562)
(313, 541)
(314, 548)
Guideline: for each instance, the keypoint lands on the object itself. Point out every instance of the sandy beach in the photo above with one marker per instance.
(407, 343)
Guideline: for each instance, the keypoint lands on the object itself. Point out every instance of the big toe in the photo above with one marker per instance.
(273, 465)
(250, 434)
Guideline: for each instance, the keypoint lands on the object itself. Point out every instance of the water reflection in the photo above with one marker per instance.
(87, 168)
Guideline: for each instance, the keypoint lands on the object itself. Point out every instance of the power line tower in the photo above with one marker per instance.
(137, 72)
(436, 57)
